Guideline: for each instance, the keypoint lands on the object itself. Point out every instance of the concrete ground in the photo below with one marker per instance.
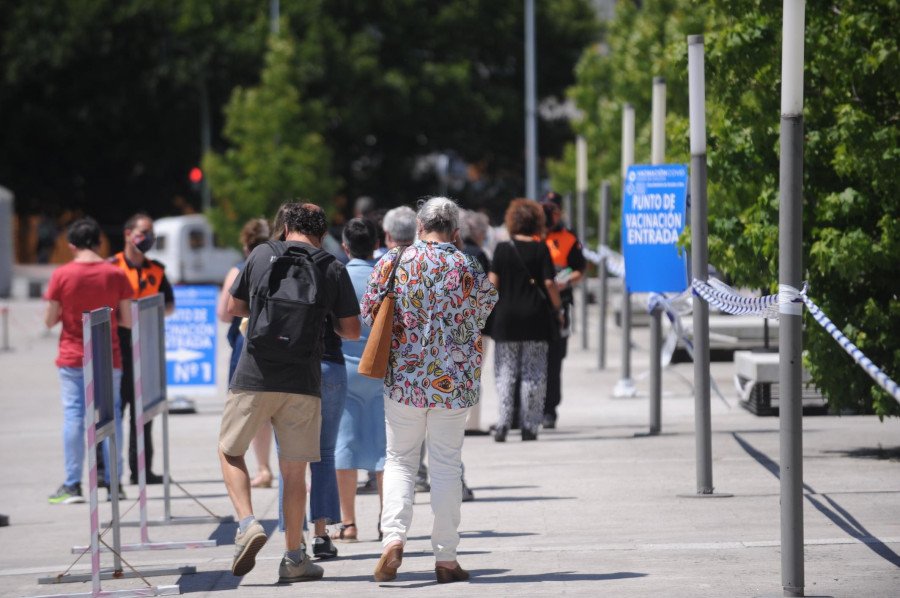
(594, 508)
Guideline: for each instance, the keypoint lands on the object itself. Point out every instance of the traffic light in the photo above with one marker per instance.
(196, 177)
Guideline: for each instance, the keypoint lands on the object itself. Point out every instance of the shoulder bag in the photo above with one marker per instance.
(375, 357)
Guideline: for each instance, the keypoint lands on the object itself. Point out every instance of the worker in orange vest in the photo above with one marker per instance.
(568, 259)
(147, 277)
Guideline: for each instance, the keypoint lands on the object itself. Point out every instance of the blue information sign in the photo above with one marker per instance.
(652, 220)
(191, 341)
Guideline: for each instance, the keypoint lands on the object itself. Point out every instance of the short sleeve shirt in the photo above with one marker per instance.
(254, 372)
(85, 286)
(443, 300)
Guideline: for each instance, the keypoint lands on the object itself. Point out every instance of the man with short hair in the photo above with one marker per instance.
(399, 227)
(569, 262)
(147, 277)
(84, 284)
(283, 389)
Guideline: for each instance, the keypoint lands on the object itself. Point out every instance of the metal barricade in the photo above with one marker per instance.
(148, 339)
(148, 349)
(100, 424)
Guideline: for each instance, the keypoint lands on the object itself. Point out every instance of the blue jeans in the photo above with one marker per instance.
(324, 502)
(74, 439)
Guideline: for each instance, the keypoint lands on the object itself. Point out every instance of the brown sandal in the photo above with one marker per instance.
(390, 561)
(341, 534)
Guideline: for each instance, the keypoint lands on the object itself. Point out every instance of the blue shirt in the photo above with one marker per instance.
(359, 271)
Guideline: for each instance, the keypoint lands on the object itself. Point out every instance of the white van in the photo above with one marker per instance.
(185, 245)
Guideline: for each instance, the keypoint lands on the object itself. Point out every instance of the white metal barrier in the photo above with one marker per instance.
(100, 424)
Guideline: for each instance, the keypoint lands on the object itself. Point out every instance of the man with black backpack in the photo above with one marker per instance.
(286, 289)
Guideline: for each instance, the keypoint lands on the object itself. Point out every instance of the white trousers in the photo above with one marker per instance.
(443, 430)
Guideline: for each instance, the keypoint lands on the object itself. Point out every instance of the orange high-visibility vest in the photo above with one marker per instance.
(560, 243)
(146, 280)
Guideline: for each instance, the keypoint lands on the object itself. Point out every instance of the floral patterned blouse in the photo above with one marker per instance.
(443, 300)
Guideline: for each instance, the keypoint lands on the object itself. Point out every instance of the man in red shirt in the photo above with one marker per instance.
(85, 284)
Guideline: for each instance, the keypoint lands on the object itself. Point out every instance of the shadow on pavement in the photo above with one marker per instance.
(833, 511)
(504, 576)
(523, 498)
(493, 534)
(503, 487)
(879, 453)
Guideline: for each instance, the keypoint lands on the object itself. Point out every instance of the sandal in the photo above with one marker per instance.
(341, 536)
(263, 479)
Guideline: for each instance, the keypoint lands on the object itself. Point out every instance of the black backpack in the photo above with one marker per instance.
(288, 308)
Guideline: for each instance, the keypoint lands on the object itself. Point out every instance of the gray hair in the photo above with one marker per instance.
(473, 225)
(400, 223)
(439, 214)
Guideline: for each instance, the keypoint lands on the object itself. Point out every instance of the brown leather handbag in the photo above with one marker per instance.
(375, 357)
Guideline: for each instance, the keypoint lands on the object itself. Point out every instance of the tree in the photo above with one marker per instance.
(851, 159)
(276, 152)
(404, 79)
(99, 101)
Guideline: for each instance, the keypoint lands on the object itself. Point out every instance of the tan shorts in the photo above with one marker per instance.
(297, 420)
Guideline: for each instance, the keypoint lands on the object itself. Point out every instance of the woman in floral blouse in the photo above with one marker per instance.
(433, 377)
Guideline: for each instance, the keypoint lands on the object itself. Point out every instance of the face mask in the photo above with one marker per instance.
(143, 242)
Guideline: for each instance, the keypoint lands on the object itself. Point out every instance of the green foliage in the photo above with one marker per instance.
(851, 156)
(638, 45)
(404, 79)
(100, 101)
(276, 151)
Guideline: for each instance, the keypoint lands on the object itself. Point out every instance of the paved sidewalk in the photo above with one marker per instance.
(591, 509)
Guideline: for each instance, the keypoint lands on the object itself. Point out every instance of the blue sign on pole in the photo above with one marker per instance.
(653, 216)
(191, 341)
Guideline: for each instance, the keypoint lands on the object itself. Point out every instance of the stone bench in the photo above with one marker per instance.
(756, 382)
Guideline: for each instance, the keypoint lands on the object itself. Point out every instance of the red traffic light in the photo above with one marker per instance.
(196, 175)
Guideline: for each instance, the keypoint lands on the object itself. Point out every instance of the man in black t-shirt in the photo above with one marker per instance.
(288, 395)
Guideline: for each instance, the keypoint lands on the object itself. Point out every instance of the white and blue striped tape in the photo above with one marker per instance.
(723, 298)
(615, 263)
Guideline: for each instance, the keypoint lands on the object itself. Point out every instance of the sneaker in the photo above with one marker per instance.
(122, 495)
(67, 495)
(467, 494)
(323, 548)
(370, 487)
(246, 546)
(305, 570)
(549, 422)
(422, 485)
(529, 434)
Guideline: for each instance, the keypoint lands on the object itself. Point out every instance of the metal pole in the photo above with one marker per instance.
(601, 271)
(567, 215)
(531, 175)
(657, 156)
(700, 262)
(655, 373)
(625, 386)
(205, 143)
(4, 311)
(582, 187)
(790, 275)
(274, 16)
